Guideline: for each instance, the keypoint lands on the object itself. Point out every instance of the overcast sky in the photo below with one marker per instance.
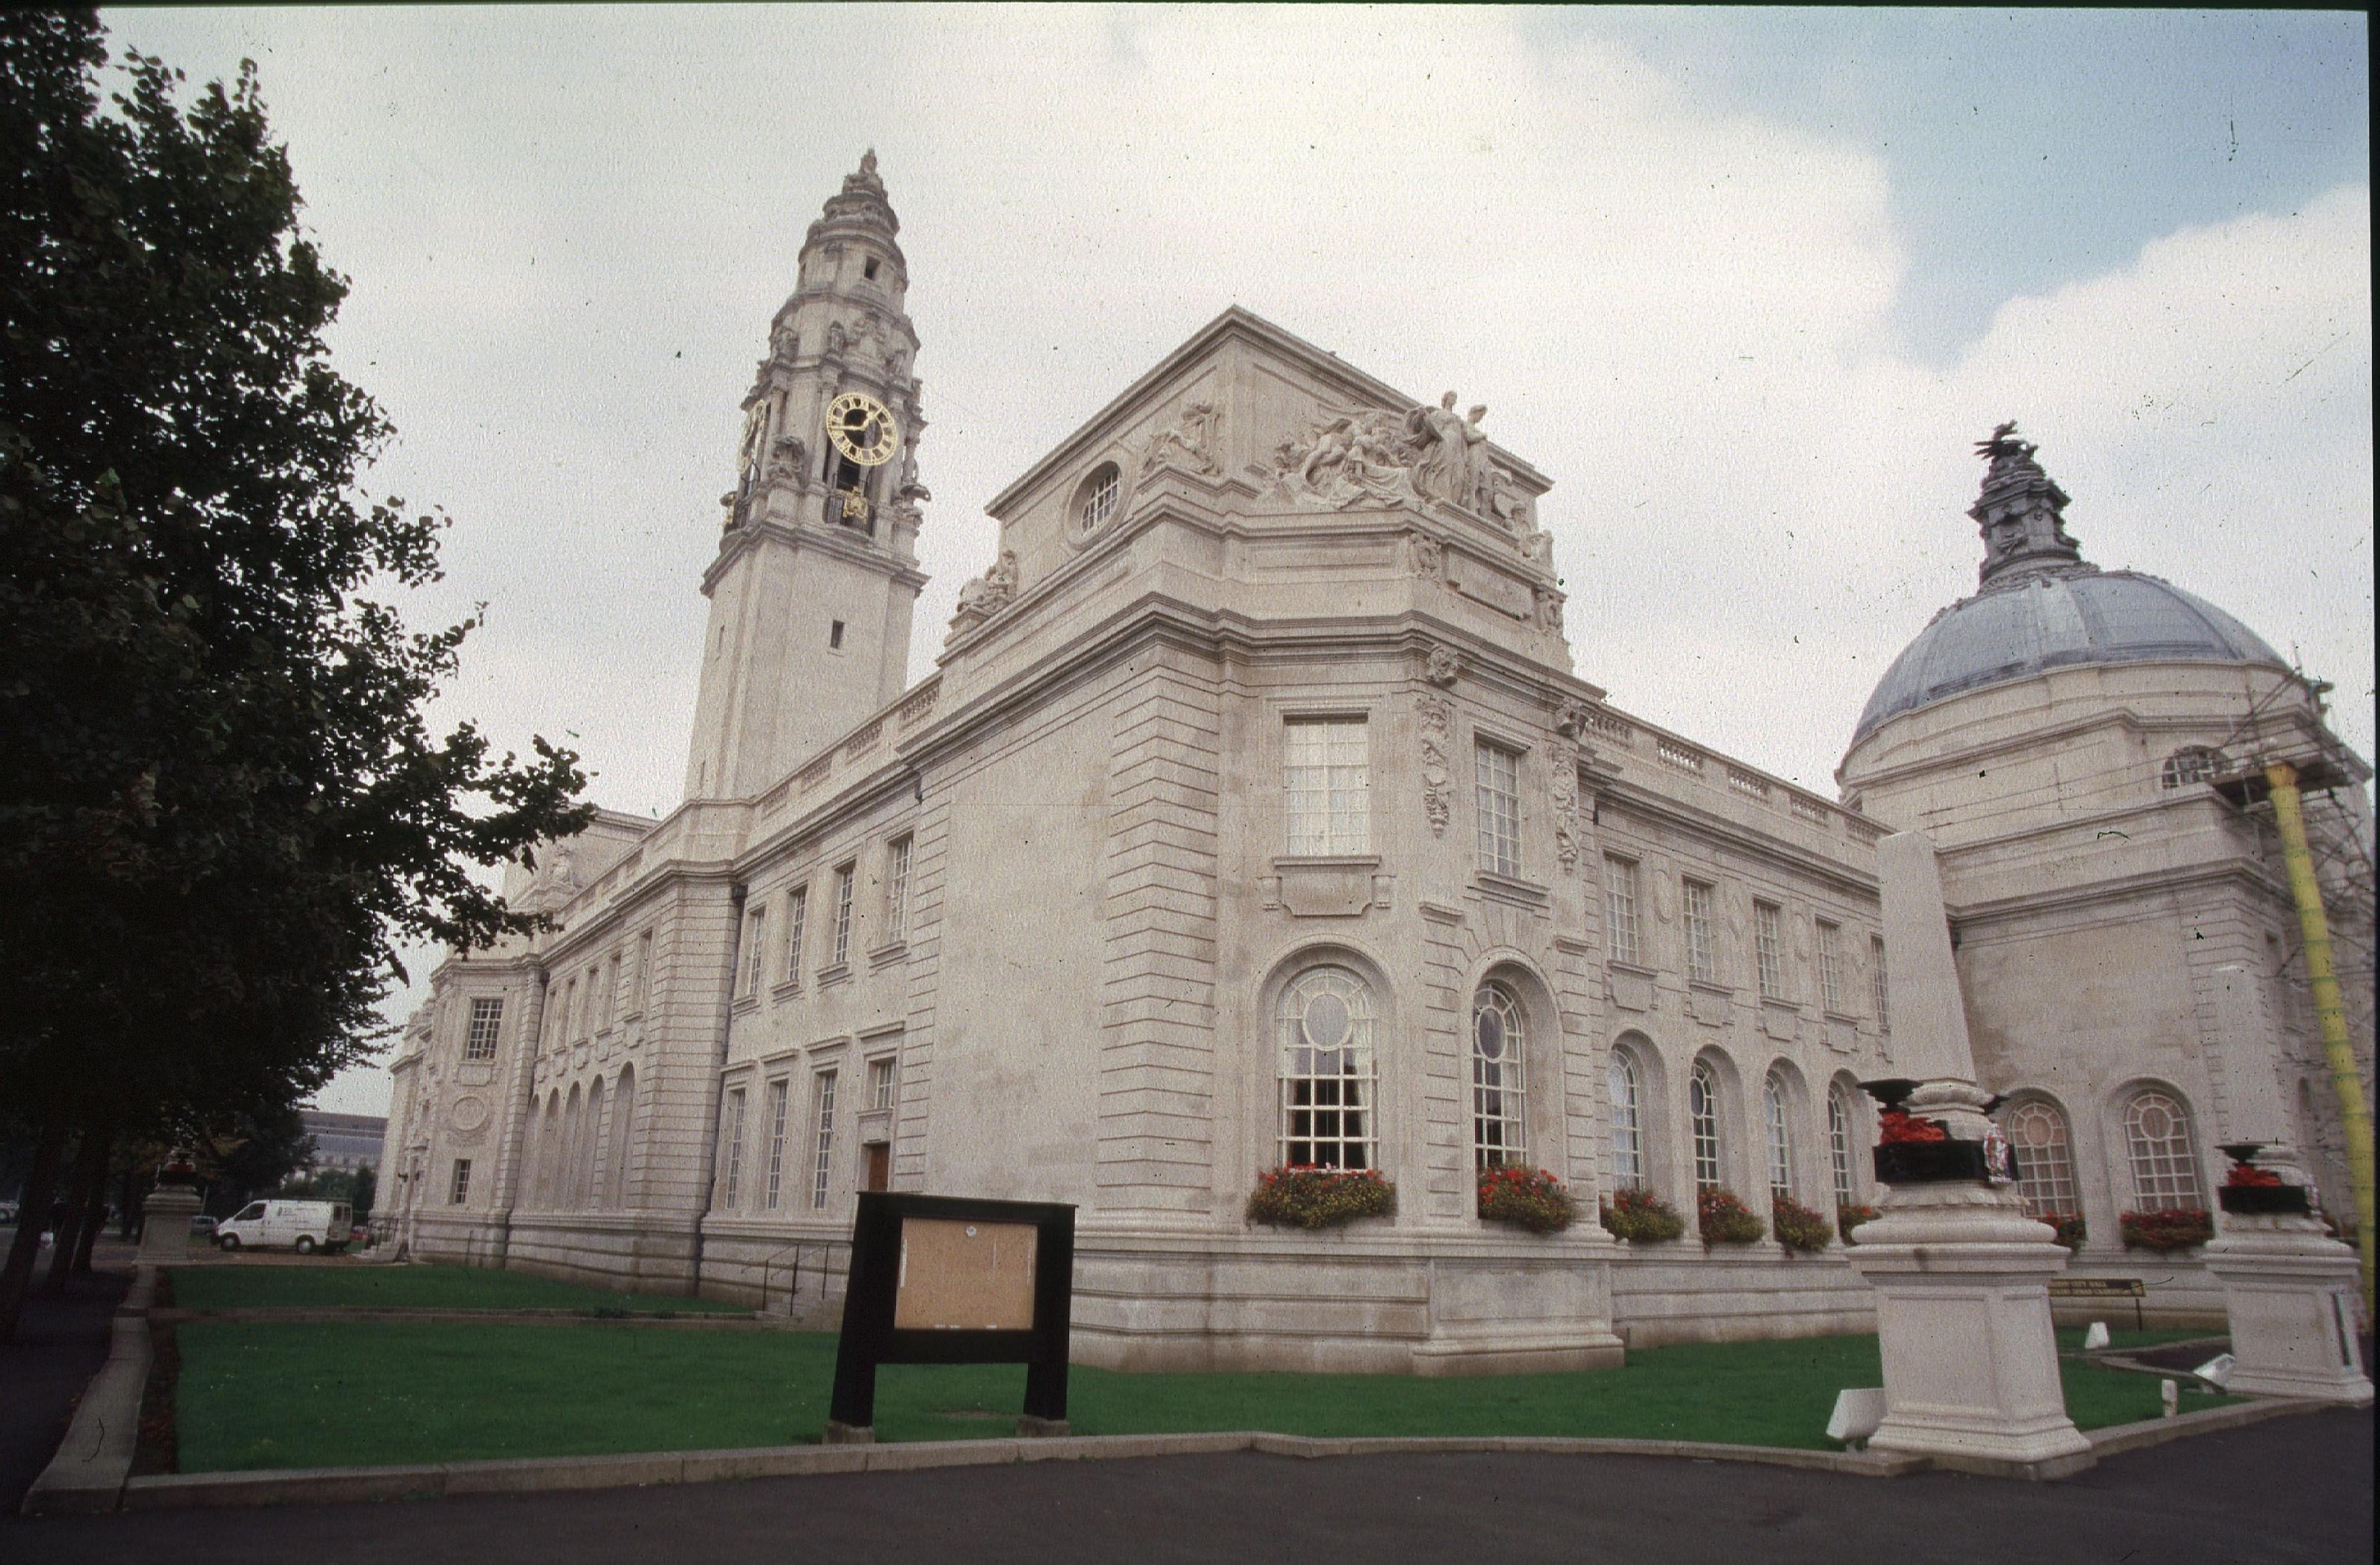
(1746, 285)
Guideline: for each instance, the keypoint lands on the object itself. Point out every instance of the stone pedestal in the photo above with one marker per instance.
(166, 1223)
(2290, 1289)
(1962, 1306)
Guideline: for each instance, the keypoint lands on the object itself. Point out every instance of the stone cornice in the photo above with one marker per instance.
(834, 542)
(2161, 882)
(1670, 811)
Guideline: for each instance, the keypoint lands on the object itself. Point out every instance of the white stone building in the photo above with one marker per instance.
(1254, 813)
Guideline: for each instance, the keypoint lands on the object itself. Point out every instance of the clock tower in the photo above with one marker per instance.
(817, 571)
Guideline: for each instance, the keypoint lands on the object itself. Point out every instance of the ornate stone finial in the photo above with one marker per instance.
(2021, 512)
(866, 178)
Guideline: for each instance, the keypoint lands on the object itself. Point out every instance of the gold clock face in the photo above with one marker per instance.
(862, 429)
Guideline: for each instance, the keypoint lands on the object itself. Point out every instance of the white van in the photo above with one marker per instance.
(303, 1226)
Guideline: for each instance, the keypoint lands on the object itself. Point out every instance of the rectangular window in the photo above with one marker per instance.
(1497, 774)
(644, 978)
(731, 1153)
(1768, 948)
(612, 990)
(756, 949)
(487, 1022)
(823, 1113)
(1881, 991)
(842, 880)
(1620, 909)
(896, 888)
(883, 1080)
(1326, 780)
(587, 1017)
(569, 1011)
(461, 1189)
(1830, 965)
(1702, 950)
(797, 917)
(777, 1096)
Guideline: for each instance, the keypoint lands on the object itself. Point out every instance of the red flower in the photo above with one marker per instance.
(2244, 1176)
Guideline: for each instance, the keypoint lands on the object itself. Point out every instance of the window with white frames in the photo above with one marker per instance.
(1701, 949)
(1620, 907)
(1497, 774)
(2045, 1158)
(896, 888)
(1830, 965)
(777, 1095)
(1326, 1021)
(1498, 1091)
(1839, 1147)
(1100, 495)
(644, 979)
(1702, 1114)
(797, 917)
(1325, 785)
(883, 1081)
(612, 990)
(2191, 764)
(731, 1133)
(822, 1118)
(1880, 984)
(1768, 948)
(460, 1190)
(756, 949)
(1627, 1121)
(487, 1026)
(843, 881)
(2164, 1159)
(1773, 1101)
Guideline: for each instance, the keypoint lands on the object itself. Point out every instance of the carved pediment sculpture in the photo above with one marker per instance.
(1376, 457)
(1188, 444)
(986, 595)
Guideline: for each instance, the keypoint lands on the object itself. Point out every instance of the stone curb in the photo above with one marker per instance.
(2120, 1437)
(333, 1315)
(89, 1471)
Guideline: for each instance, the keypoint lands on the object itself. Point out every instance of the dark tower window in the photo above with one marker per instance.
(872, 264)
(834, 636)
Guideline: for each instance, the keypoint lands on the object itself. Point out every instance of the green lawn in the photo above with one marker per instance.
(254, 1395)
(336, 1283)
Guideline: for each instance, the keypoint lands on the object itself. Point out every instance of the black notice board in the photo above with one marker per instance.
(872, 1299)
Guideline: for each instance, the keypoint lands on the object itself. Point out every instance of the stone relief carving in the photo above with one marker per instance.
(1665, 896)
(1428, 556)
(1379, 457)
(835, 338)
(1444, 667)
(987, 594)
(1563, 756)
(1570, 720)
(1188, 444)
(1550, 609)
(1437, 715)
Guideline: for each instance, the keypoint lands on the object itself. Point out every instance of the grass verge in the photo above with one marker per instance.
(254, 1395)
(345, 1284)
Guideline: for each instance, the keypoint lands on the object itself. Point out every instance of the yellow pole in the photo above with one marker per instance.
(2288, 814)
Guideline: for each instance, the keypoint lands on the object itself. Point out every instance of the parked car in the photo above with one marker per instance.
(302, 1226)
(8, 1214)
(202, 1225)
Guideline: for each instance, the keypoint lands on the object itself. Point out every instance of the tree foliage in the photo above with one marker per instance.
(221, 811)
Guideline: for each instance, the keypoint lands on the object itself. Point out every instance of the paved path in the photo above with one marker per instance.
(2291, 1490)
(60, 1345)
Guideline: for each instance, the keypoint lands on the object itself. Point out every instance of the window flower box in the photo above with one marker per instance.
(1797, 1227)
(2184, 1228)
(1529, 1198)
(1725, 1219)
(1300, 1195)
(2069, 1226)
(1850, 1216)
(1640, 1217)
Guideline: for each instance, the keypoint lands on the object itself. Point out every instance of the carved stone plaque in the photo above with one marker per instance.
(1326, 891)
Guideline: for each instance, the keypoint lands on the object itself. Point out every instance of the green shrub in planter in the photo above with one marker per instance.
(1850, 1216)
(1641, 1218)
(2069, 1226)
(1530, 1198)
(1302, 1196)
(1799, 1228)
(2177, 1230)
(1725, 1219)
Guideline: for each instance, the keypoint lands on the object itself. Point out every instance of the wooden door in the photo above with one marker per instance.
(879, 1166)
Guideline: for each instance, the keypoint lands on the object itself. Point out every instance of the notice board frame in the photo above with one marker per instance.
(872, 1294)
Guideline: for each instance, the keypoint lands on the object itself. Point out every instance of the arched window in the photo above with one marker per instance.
(623, 1114)
(2045, 1158)
(574, 1131)
(1498, 1094)
(591, 1158)
(548, 1149)
(2165, 1164)
(1839, 1147)
(1326, 1084)
(1627, 1121)
(1702, 1111)
(1773, 1096)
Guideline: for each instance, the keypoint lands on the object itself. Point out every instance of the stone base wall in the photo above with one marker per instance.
(1682, 1291)
(618, 1250)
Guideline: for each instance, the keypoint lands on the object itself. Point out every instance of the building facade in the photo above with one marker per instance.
(1254, 813)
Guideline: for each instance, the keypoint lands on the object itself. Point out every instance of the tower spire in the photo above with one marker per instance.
(2020, 514)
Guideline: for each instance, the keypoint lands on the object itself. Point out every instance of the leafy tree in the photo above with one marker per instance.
(219, 809)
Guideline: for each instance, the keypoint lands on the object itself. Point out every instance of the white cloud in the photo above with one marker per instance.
(568, 230)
